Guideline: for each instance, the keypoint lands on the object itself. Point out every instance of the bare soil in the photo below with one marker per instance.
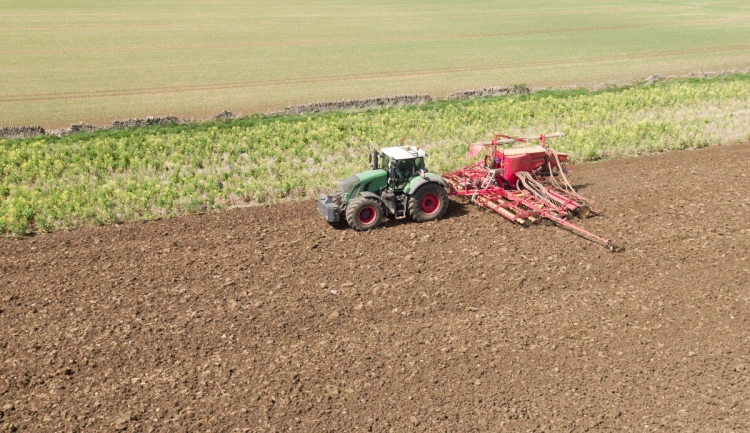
(269, 319)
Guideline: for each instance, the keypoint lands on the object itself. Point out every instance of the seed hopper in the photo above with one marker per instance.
(526, 185)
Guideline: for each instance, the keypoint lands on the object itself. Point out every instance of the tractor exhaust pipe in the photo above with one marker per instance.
(374, 160)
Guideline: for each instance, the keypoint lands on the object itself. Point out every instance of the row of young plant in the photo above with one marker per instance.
(49, 183)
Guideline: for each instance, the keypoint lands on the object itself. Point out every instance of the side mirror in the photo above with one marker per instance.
(373, 160)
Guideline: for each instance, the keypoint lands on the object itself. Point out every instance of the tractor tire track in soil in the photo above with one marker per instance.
(269, 319)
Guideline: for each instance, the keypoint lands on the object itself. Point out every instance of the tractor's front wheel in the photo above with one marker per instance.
(364, 213)
(429, 203)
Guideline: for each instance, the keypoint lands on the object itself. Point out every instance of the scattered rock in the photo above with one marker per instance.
(83, 127)
(489, 91)
(701, 74)
(21, 131)
(315, 107)
(224, 115)
(356, 104)
(78, 127)
(122, 422)
(134, 123)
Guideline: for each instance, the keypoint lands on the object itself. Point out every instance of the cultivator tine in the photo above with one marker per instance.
(581, 232)
(581, 205)
(503, 211)
(525, 185)
(566, 201)
(513, 211)
(526, 203)
(456, 184)
(566, 193)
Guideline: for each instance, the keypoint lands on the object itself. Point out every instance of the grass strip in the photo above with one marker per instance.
(49, 183)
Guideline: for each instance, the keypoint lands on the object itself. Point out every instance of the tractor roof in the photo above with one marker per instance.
(403, 153)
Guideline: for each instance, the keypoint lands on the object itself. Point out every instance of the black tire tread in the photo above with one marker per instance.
(352, 210)
(415, 212)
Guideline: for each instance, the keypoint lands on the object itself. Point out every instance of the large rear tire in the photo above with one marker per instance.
(364, 213)
(428, 203)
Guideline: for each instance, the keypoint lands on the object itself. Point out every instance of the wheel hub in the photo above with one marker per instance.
(429, 204)
(366, 215)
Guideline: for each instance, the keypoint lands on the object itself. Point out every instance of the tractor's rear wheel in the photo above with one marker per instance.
(364, 213)
(429, 203)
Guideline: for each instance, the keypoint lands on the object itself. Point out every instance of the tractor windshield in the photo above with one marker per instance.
(419, 164)
(385, 161)
(404, 171)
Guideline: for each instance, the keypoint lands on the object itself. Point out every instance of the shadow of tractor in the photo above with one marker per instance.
(456, 209)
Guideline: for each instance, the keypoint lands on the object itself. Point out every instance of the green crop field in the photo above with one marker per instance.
(48, 183)
(94, 61)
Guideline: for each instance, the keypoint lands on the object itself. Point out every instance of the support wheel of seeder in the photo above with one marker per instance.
(583, 211)
(364, 213)
(429, 203)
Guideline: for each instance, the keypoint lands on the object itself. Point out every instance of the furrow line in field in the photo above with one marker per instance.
(373, 13)
(370, 40)
(355, 77)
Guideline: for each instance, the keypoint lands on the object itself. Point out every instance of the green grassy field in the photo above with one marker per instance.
(49, 183)
(95, 60)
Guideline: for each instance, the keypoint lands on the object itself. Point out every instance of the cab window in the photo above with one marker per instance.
(404, 169)
(385, 161)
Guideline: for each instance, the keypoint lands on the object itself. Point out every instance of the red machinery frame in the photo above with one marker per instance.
(526, 185)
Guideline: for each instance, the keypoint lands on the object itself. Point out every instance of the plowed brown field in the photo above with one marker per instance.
(269, 319)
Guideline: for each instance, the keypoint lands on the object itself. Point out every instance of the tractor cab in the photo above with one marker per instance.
(402, 164)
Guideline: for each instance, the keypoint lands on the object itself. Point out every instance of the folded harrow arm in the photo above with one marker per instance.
(541, 192)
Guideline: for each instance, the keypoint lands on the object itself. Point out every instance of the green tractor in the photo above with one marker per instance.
(402, 188)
